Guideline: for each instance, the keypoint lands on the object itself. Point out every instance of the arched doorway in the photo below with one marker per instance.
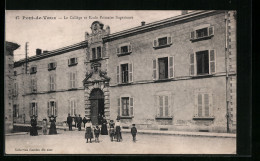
(96, 105)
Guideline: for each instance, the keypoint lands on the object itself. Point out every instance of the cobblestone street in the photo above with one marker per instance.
(73, 142)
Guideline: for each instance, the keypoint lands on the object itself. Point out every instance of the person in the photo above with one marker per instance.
(118, 131)
(84, 121)
(53, 129)
(88, 127)
(33, 129)
(44, 126)
(111, 129)
(97, 132)
(76, 120)
(104, 127)
(69, 122)
(133, 132)
(79, 123)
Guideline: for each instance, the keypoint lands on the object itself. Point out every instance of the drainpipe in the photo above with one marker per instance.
(226, 64)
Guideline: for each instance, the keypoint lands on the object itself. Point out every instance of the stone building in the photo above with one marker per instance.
(173, 74)
(10, 86)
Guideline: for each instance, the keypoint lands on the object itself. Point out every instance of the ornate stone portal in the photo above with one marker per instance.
(96, 80)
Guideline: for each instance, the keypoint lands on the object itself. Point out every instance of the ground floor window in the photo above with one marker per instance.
(203, 107)
(163, 107)
(15, 111)
(126, 106)
(72, 107)
(52, 108)
(33, 109)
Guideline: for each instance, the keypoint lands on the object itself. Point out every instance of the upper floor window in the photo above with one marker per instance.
(96, 53)
(33, 70)
(126, 106)
(163, 68)
(72, 61)
(125, 73)
(124, 49)
(33, 109)
(203, 105)
(203, 62)
(202, 32)
(33, 85)
(52, 66)
(15, 89)
(15, 111)
(15, 73)
(52, 108)
(52, 82)
(163, 41)
(72, 79)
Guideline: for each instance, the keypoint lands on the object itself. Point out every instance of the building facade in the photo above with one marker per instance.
(10, 86)
(174, 74)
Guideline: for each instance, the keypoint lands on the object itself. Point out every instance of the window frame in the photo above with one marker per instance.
(119, 49)
(170, 101)
(171, 67)
(196, 115)
(33, 85)
(156, 41)
(33, 70)
(70, 62)
(50, 67)
(15, 89)
(72, 106)
(96, 53)
(193, 33)
(72, 79)
(33, 109)
(52, 82)
(15, 111)
(130, 72)
(131, 109)
(52, 111)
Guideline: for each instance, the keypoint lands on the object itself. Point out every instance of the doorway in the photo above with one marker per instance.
(96, 106)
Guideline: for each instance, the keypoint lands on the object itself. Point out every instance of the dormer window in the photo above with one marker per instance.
(72, 62)
(203, 32)
(164, 41)
(52, 66)
(124, 49)
(33, 70)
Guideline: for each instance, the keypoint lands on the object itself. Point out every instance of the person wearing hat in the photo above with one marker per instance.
(53, 129)
(118, 130)
(111, 129)
(69, 122)
(79, 122)
(133, 132)
(44, 126)
(88, 127)
(84, 121)
(33, 129)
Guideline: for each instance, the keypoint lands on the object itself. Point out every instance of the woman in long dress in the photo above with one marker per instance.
(104, 127)
(33, 129)
(44, 126)
(53, 129)
(88, 127)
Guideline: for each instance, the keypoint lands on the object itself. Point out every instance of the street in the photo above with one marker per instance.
(73, 142)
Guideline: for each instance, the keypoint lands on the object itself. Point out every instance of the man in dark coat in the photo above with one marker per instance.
(133, 132)
(79, 123)
(69, 122)
(33, 129)
(84, 121)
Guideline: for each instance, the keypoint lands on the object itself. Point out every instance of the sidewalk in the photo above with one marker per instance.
(158, 132)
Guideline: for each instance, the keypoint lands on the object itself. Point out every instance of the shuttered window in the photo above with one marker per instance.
(163, 107)
(72, 61)
(163, 67)
(72, 107)
(52, 108)
(162, 41)
(126, 106)
(52, 82)
(33, 109)
(125, 73)
(72, 80)
(33, 85)
(203, 105)
(124, 49)
(202, 33)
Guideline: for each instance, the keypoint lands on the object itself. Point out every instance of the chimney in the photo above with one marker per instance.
(45, 51)
(183, 12)
(142, 23)
(38, 51)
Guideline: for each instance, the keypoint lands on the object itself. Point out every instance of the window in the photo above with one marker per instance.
(202, 63)
(163, 106)
(72, 80)
(162, 42)
(125, 73)
(52, 66)
(52, 108)
(15, 89)
(72, 107)
(15, 73)
(163, 67)
(124, 49)
(72, 61)
(33, 85)
(126, 107)
(203, 106)
(203, 32)
(33, 70)
(15, 111)
(33, 109)
(52, 82)
(96, 53)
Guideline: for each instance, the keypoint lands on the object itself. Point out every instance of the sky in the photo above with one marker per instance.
(67, 27)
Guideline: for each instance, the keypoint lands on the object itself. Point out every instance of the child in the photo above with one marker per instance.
(133, 132)
(97, 132)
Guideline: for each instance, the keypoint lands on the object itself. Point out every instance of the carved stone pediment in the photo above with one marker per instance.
(96, 74)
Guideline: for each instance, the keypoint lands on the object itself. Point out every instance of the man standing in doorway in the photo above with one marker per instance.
(69, 122)
(79, 123)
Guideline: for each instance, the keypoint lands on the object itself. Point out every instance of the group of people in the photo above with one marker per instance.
(78, 122)
(52, 130)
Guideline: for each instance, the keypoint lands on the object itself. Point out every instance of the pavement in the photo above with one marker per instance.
(153, 132)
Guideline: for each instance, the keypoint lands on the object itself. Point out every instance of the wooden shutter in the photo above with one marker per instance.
(195, 105)
(55, 108)
(160, 105)
(131, 106)
(30, 109)
(192, 64)
(211, 30)
(49, 66)
(55, 64)
(212, 61)
(192, 35)
(32, 85)
(35, 84)
(166, 106)
(129, 48)
(156, 104)
(200, 105)
(68, 61)
(206, 105)
(211, 105)
(118, 50)
(76, 60)
(169, 40)
(36, 109)
(154, 70)
(155, 43)
(130, 69)
(48, 109)
(49, 82)
(54, 81)
(118, 106)
(118, 74)
(76, 79)
(171, 67)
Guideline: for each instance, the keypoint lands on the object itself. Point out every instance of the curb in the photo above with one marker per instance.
(17, 133)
